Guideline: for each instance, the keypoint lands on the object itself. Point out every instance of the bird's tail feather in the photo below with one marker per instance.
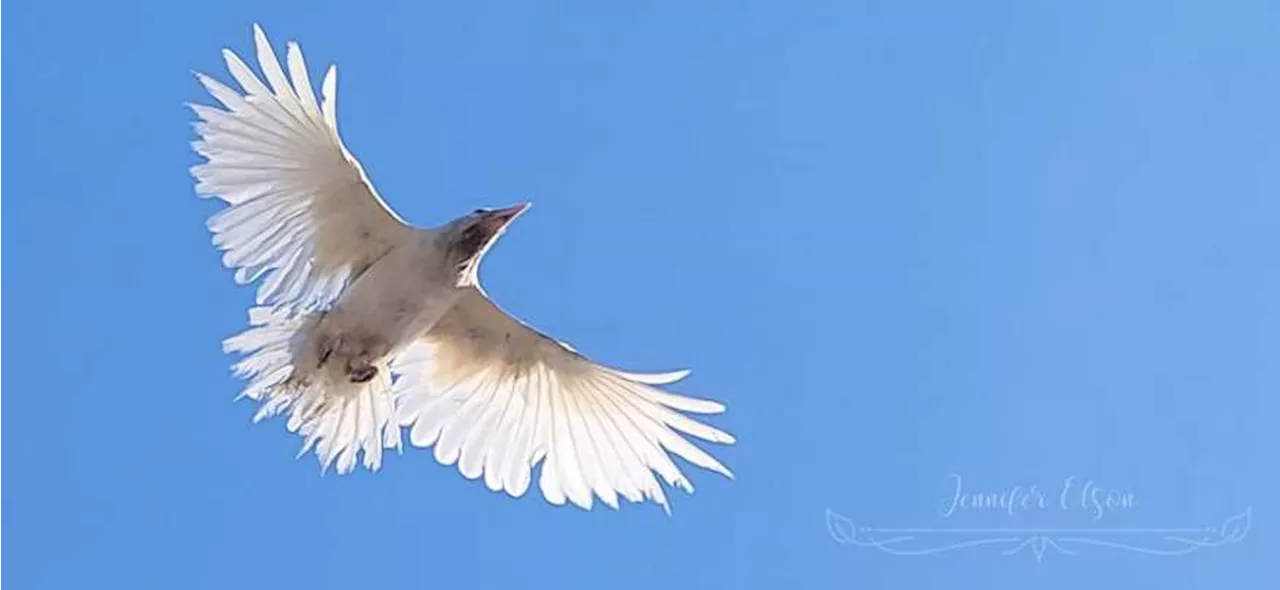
(339, 419)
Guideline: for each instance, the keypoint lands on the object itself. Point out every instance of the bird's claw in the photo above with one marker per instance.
(361, 372)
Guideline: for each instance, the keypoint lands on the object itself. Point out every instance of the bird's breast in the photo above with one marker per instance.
(399, 297)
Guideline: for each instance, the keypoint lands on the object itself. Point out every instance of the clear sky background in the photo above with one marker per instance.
(1012, 241)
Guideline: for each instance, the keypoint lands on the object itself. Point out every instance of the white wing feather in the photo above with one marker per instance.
(302, 212)
(496, 397)
(303, 217)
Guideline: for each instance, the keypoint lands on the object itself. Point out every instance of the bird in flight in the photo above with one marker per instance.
(365, 324)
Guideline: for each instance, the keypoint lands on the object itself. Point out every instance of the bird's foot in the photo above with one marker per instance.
(361, 372)
(325, 348)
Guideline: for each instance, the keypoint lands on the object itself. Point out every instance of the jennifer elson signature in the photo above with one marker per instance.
(1074, 494)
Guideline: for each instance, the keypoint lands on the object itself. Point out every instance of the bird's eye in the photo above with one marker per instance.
(479, 211)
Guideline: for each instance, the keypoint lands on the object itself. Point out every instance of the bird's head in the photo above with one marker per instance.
(469, 237)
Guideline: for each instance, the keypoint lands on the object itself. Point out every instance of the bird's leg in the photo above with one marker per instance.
(354, 353)
(360, 370)
(324, 349)
(359, 365)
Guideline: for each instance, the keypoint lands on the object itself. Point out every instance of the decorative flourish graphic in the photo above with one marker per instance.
(1066, 541)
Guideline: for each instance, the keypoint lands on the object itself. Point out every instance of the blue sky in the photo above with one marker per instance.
(901, 240)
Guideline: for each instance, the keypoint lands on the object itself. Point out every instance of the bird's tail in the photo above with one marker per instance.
(338, 418)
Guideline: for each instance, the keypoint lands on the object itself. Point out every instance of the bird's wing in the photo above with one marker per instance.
(496, 397)
(302, 211)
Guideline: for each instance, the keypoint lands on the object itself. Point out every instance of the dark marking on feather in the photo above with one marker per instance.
(473, 239)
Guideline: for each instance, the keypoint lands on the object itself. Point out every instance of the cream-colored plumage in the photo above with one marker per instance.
(366, 324)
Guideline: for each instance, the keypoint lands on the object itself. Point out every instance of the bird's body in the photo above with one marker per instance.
(366, 324)
(402, 294)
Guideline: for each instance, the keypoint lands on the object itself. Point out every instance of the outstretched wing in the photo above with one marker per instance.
(302, 212)
(496, 397)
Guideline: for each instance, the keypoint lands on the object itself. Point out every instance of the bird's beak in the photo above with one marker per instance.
(499, 219)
